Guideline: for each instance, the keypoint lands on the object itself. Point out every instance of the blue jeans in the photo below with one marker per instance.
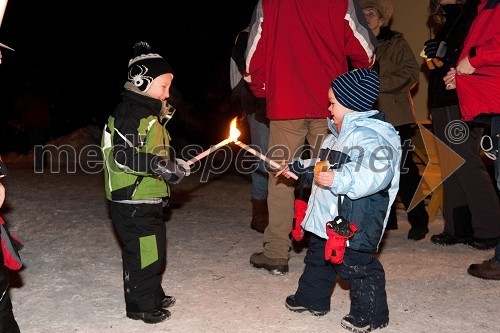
(259, 134)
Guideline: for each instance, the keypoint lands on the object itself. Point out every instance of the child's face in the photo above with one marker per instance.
(160, 87)
(337, 110)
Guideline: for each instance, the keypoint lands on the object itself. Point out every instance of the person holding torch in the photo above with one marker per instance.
(138, 171)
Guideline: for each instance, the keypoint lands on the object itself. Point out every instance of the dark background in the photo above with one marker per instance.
(78, 52)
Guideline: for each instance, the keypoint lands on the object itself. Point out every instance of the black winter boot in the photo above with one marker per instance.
(167, 302)
(150, 317)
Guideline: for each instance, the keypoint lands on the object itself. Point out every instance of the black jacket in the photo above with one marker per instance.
(458, 21)
(241, 92)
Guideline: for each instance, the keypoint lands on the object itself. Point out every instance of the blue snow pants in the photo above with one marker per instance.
(364, 272)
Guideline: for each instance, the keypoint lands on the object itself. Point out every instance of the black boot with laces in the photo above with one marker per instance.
(150, 317)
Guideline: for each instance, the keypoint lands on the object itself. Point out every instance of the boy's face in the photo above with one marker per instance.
(337, 110)
(160, 87)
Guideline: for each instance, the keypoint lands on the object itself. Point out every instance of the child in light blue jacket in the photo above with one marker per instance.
(357, 191)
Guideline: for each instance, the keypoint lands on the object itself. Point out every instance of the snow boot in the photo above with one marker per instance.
(275, 266)
(292, 305)
(349, 323)
(167, 302)
(150, 317)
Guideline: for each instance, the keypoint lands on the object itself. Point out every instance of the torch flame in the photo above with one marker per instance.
(234, 133)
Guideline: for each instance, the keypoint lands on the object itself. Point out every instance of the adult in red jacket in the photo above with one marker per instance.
(477, 80)
(478, 69)
(295, 49)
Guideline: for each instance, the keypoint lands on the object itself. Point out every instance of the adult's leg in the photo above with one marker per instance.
(476, 183)
(453, 194)
(259, 133)
(408, 185)
(286, 136)
(143, 235)
(490, 269)
(495, 138)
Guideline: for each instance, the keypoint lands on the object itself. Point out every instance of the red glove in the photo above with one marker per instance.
(300, 212)
(338, 231)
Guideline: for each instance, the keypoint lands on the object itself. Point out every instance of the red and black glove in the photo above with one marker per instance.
(338, 231)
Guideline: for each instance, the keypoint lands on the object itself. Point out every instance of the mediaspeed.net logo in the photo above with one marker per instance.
(441, 164)
(442, 159)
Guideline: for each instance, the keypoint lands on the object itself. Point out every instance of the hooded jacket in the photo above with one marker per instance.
(366, 177)
(133, 137)
(398, 70)
(479, 93)
(296, 47)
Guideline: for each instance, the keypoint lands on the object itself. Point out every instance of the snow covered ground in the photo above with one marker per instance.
(72, 278)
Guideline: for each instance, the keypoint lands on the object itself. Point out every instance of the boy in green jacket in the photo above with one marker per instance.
(138, 169)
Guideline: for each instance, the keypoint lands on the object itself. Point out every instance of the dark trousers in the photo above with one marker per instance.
(143, 235)
(408, 182)
(8, 323)
(469, 188)
(495, 139)
(362, 270)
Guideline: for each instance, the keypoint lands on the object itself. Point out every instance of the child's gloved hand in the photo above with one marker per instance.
(170, 172)
(183, 164)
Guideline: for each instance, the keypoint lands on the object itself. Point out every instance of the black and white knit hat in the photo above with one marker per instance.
(357, 90)
(146, 66)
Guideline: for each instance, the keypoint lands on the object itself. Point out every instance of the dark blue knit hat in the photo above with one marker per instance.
(357, 90)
